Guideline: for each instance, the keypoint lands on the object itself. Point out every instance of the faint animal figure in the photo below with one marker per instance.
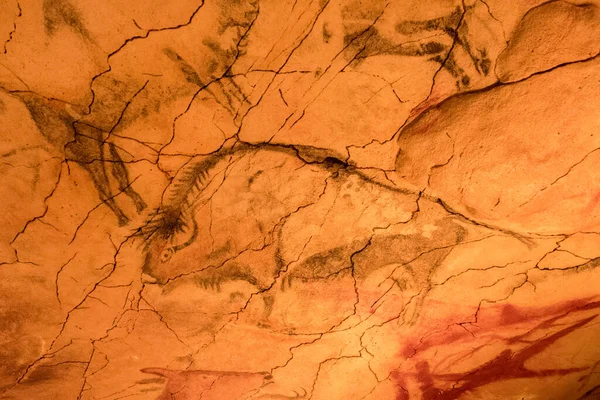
(173, 228)
(217, 385)
(453, 25)
(88, 147)
(81, 141)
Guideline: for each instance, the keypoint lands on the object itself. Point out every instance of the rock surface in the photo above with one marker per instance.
(260, 199)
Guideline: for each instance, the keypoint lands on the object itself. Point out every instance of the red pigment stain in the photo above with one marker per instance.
(510, 314)
(398, 379)
(593, 203)
(507, 365)
(434, 99)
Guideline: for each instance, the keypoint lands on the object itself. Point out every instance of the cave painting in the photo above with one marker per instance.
(256, 199)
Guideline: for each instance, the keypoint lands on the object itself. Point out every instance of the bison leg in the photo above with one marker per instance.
(98, 173)
(119, 171)
(268, 300)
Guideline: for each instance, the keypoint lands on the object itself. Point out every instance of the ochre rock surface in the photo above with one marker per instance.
(272, 199)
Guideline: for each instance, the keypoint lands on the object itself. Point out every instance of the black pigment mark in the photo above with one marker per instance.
(61, 12)
(453, 26)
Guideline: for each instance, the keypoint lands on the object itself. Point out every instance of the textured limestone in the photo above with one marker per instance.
(260, 199)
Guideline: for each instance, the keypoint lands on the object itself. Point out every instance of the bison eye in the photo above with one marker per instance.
(166, 255)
